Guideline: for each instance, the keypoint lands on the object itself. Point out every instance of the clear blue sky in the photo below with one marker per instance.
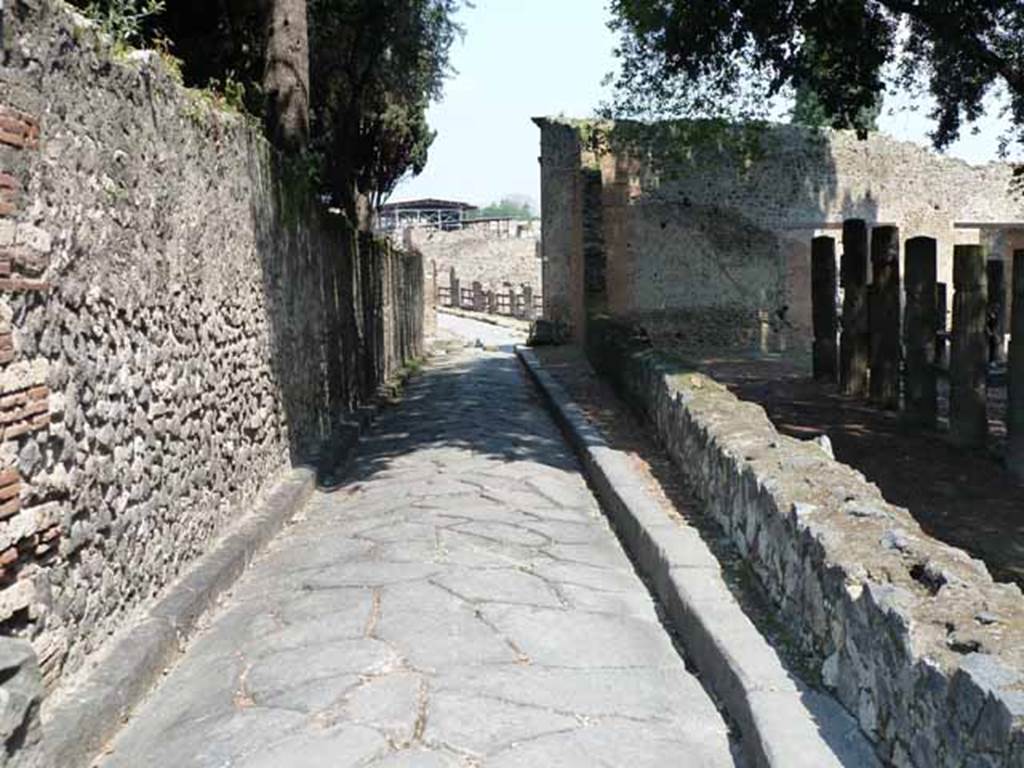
(524, 58)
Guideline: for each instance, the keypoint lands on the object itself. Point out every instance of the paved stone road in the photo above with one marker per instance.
(460, 601)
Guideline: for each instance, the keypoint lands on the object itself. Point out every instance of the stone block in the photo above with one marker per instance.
(21, 694)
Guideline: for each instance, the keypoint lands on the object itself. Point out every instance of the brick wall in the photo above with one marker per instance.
(179, 322)
(30, 517)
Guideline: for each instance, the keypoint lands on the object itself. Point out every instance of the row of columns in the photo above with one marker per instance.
(519, 305)
(864, 353)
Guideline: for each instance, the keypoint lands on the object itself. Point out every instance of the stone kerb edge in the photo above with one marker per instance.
(90, 714)
(734, 659)
(838, 576)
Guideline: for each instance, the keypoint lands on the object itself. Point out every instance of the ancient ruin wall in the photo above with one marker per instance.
(912, 636)
(178, 323)
(720, 240)
(495, 256)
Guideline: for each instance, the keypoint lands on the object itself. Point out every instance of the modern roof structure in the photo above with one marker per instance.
(426, 212)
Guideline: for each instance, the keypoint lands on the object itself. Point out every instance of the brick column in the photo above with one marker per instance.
(853, 345)
(941, 311)
(823, 309)
(478, 296)
(995, 316)
(528, 308)
(968, 364)
(885, 317)
(920, 391)
(1015, 405)
(454, 289)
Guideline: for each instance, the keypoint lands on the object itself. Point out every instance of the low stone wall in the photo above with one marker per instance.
(179, 323)
(913, 636)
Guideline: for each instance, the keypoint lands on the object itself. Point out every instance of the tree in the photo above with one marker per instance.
(354, 76)
(376, 66)
(286, 74)
(512, 207)
(725, 58)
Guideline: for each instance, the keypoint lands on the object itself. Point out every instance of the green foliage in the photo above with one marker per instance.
(171, 63)
(729, 58)
(124, 20)
(375, 66)
(810, 112)
(227, 92)
(506, 208)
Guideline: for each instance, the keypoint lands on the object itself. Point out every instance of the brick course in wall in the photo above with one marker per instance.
(30, 525)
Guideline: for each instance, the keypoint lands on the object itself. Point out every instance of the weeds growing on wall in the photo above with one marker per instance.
(124, 20)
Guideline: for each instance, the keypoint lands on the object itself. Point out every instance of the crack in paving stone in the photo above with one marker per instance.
(423, 704)
(371, 623)
(453, 565)
(243, 697)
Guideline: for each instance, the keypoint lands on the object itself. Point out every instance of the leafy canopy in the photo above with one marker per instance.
(726, 58)
(374, 68)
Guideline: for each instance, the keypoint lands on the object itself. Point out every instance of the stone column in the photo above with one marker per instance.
(528, 302)
(478, 296)
(941, 310)
(885, 317)
(454, 288)
(512, 301)
(1015, 388)
(823, 308)
(492, 303)
(995, 317)
(853, 345)
(968, 366)
(920, 389)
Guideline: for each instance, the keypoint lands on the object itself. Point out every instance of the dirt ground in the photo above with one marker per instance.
(961, 496)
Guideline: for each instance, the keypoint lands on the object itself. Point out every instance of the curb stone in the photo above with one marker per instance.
(782, 723)
(93, 711)
(501, 321)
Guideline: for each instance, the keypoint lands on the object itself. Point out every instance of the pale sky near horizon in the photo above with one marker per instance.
(525, 58)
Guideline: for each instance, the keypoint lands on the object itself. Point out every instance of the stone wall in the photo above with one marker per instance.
(723, 235)
(913, 636)
(179, 322)
(495, 256)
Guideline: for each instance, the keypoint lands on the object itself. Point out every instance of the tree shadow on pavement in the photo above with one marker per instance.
(469, 403)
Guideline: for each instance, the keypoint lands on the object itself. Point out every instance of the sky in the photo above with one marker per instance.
(525, 58)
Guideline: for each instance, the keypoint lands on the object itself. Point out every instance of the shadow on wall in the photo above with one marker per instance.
(341, 309)
(707, 227)
(180, 320)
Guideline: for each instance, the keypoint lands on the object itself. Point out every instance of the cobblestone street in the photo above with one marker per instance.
(458, 600)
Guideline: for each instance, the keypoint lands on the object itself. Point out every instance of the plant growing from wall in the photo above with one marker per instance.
(124, 21)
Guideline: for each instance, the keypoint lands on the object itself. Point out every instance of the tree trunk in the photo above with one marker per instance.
(286, 74)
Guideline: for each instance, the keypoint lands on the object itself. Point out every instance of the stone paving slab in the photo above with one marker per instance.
(459, 601)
